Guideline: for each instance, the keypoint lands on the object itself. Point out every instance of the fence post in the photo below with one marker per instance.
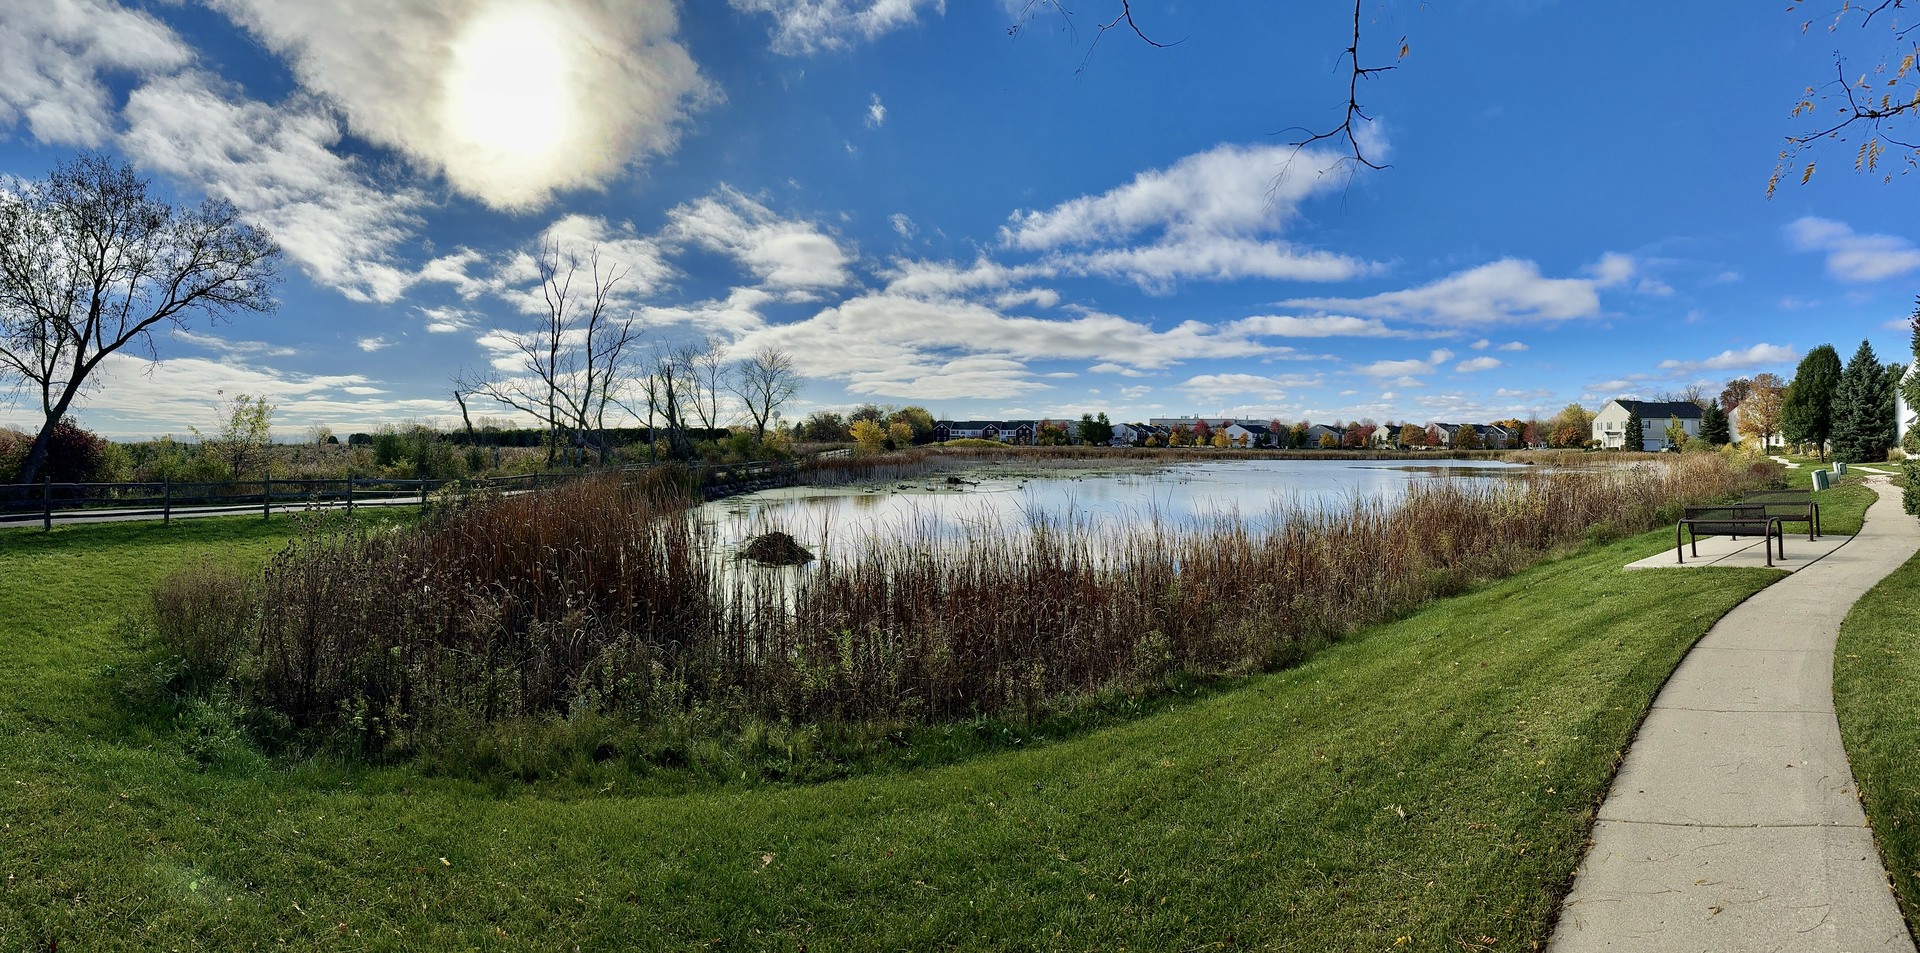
(266, 498)
(46, 504)
(423, 493)
(166, 500)
(349, 493)
(536, 481)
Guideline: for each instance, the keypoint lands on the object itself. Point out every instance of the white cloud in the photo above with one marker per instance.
(947, 279)
(53, 54)
(1215, 258)
(1218, 386)
(510, 100)
(640, 262)
(1509, 291)
(1135, 393)
(1759, 355)
(1512, 346)
(138, 398)
(372, 344)
(1108, 367)
(1322, 326)
(277, 166)
(1038, 297)
(890, 345)
(876, 113)
(902, 224)
(1228, 190)
(447, 320)
(784, 253)
(1403, 371)
(231, 349)
(1613, 270)
(1851, 256)
(1481, 363)
(736, 314)
(807, 26)
(1481, 344)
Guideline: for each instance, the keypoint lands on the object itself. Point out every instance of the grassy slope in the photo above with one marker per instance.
(1876, 691)
(1269, 815)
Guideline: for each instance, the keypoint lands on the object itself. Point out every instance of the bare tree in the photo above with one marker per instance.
(763, 382)
(708, 375)
(667, 385)
(572, 367)
(90, 263)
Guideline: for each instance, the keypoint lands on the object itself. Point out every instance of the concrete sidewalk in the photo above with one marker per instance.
(1734, 823)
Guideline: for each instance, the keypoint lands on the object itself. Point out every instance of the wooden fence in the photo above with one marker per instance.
(44, 502)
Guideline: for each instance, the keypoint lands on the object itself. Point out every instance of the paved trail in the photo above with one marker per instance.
(1734, 823)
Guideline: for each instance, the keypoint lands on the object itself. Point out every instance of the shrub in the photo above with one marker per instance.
(74, 454)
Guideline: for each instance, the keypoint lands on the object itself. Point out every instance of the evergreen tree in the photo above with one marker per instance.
(1713, 425)
(1863, 410)
(1634, 438)
(1806, 415)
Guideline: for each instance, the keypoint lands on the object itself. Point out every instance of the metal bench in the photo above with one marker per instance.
(1791, 506)
(1732, 520)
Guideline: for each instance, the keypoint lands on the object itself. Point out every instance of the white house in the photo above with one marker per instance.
(1248, 435)
(1610, 424)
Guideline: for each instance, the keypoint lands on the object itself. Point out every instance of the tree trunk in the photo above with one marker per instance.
(43, 444)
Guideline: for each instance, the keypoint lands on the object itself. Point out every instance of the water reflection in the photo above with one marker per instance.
(832, 521)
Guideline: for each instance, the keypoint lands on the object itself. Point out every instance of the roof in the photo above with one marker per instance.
(1683, 409)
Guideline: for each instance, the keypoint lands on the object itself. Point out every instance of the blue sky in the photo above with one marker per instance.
(925, 207)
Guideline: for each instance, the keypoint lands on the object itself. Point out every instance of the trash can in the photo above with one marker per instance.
(1820, 481)
(1839, 468)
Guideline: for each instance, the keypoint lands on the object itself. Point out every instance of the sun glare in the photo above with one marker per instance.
(510, 94)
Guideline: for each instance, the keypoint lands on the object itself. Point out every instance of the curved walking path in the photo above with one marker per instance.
(1734, 823)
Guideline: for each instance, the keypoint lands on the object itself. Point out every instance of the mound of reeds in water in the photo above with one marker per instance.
(603, 597)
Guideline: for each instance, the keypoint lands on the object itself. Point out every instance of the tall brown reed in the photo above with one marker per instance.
(605, 597)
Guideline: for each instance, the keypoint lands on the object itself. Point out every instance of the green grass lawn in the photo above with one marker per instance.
(1431, 779)
(1876, 691)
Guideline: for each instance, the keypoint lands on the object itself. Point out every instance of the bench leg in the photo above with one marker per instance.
(1679, 546)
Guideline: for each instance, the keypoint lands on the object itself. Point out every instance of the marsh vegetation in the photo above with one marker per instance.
(602, 600)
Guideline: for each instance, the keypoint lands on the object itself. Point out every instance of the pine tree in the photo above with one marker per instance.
(1863, 424)
(1806, 414)
(1713, 425)
(1635, 438)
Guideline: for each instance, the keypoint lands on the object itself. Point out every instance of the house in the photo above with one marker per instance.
(1004, 431)
(1441, 436)
(1610, 424)
(1316, 432)
(1496, 437)
(1247, 435)
(1136, 434)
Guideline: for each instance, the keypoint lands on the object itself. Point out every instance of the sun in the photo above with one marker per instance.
(510, 98)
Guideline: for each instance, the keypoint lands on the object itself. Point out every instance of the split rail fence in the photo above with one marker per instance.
(47, 502)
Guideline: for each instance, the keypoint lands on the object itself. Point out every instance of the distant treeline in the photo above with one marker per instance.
(536, 436)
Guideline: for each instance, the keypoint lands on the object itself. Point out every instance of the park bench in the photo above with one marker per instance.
(1791, 506)
(1732, 520)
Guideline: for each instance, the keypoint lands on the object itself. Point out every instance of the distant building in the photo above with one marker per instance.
(1610, 424)
(1016, 431)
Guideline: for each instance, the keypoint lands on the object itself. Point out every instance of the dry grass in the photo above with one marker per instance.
(603, 597)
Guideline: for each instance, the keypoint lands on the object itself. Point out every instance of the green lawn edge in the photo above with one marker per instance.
(1876, 694)
(1433, 779)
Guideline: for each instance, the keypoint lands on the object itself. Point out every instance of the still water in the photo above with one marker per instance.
(1012, 495)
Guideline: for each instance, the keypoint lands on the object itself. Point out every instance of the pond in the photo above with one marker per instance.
(1011, 495)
